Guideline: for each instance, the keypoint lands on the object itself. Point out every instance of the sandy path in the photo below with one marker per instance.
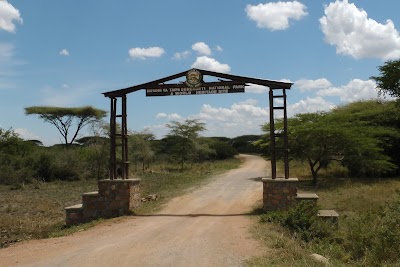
(207, 227)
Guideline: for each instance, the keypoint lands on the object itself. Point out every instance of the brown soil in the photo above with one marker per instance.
(206, 227)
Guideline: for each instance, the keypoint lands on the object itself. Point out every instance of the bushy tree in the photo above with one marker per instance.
(140, 148)
(13, 158)
(388, 82)
(183, 138)
(356, 135)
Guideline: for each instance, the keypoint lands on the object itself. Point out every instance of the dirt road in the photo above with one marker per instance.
(206, 227)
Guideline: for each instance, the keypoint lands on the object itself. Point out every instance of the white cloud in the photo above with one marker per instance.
(210, 64)
(181, 55)
(256, 89)
(218, 48)
(307, 85)
(355, 90)
(7, 66)
(310, 104)
(349, 29)
(70, 95)
(239, 119)
(8, 15)
(26, 134)
(202, 48)
(173, 116)
(143, 53)
(64, 52)
(276, 16)
(6, 52)
(285, 80)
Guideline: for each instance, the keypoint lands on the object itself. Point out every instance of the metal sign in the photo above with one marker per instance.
(205, 89)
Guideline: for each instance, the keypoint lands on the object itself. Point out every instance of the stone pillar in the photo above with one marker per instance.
(119, 196)
(279, 193)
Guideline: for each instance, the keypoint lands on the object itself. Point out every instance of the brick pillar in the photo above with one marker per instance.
(279, 194)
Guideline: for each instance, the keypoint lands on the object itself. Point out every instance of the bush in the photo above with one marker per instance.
(302, 221)
(374, 237)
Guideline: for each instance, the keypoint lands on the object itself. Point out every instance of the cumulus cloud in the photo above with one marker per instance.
(26, 134)
(143, 53)
(238, 119)
(181, 55)
(173, 116)
(310, 104)
(308, 85)
(349, 29)
(64, 52)
(8, 15)
(202, 48)
(355, 90)
(256, 89)
(276, 16)
(210, 64)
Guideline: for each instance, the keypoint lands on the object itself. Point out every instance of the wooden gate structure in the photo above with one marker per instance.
(195, 85)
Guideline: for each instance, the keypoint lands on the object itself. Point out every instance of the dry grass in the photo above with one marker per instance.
(37, 210)
(34, 211)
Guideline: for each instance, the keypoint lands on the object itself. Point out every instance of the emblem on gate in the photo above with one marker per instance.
(193, 78)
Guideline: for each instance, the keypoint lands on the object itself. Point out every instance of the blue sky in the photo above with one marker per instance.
(66, 53)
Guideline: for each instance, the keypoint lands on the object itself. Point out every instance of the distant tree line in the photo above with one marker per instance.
(25, 161)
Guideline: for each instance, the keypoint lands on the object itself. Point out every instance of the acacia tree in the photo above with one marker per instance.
(388, 82)
(64, 118)
(184, 136)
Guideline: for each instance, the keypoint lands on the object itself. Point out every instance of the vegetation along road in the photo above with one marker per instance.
(206, 227)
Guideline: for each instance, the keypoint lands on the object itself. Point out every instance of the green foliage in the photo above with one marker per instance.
(141, 149)
(223, 149)
(388, 82)
(301, 220)
(374, 237)
(63, 118)
(14, 158)
(183, 141)
(245, 144)
(362, 136)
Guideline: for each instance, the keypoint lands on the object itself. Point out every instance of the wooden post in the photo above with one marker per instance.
(272, 133)
(124, 136)
(285, 136)
(113, 125)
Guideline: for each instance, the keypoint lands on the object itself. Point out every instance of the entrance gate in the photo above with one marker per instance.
(195, 85)
(118, 196)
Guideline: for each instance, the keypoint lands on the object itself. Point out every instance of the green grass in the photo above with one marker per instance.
(37, 210)
(368, 233)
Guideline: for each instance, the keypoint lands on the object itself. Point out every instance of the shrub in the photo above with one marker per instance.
(302, 221)
(374, 237)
